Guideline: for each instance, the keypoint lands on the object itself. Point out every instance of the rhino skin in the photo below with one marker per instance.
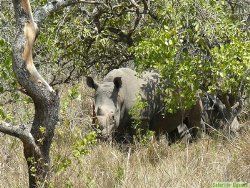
(118, 92)
(216, 115)
(183, 123)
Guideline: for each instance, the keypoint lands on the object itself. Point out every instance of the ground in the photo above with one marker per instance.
(79, 161)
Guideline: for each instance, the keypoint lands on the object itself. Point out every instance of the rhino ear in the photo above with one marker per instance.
(91, 83)
(118, 82)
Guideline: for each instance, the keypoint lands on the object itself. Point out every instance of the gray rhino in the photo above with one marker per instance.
(216, 115)
(117, 94)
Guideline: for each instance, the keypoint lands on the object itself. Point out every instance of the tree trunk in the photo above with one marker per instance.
(36, 141)
(45, 99)
(46, 116)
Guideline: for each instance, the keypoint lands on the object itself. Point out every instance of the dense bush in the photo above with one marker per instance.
(200, 46)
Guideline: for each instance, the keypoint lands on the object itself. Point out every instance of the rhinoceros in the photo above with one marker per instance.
(117, 94)
(216, 115)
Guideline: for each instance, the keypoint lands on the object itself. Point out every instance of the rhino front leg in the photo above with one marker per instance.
(180, 133)
(194, 123)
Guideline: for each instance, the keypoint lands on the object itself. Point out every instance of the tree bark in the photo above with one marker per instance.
(37, 139)
(45, 99)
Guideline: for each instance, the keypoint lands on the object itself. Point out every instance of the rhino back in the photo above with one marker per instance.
(150, 93)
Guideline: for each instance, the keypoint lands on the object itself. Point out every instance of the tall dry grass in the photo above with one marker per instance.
(105, 165)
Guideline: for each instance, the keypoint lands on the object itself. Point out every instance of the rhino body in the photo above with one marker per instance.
(216, 115)
(117, 94)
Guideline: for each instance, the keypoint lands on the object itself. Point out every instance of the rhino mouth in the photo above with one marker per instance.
(103, 138)
(104, 127)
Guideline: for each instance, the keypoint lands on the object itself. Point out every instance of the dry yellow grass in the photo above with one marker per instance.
(158, 165)
(199, 164)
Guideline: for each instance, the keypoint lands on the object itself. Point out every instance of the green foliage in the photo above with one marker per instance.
(5, 115)
(136, 111)
(69, 184)
(74, 93)
(140, 124)
(7, 80)
(33, 169)
(2, 114)
(82, 146)
(69, 41)
(231, 65)
(200, 47)
(119, 174)
(62, 163)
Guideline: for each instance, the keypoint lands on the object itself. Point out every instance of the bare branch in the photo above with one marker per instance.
(123, 37)
(146, 4)
(137, 18)
(148, 10)
(135, 4)
(21, 132)
(6, 128)
(42, 12)
(96, 18)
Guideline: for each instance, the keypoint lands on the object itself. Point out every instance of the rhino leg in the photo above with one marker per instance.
(180, 133)
(194, 121)
(173, 136)
(184, 132)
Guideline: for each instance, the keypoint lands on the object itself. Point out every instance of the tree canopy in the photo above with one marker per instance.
(200, 45)
(195, 45)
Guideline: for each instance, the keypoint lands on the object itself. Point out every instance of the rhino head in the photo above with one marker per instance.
(107, 105)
